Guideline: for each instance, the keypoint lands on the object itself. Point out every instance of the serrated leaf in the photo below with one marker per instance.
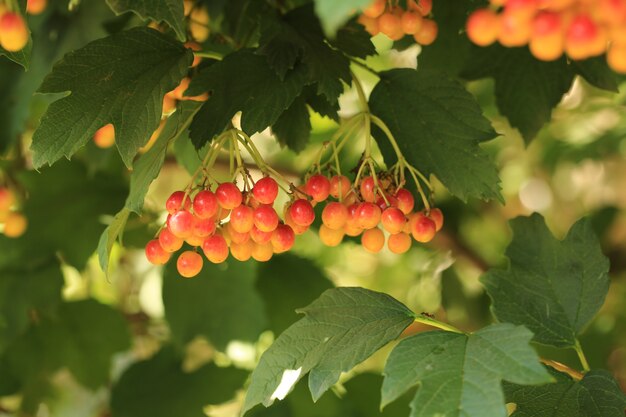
(552, 287)
(122, 80)
(244, 82)
(596, 395)
(169, 11)
(438, 126)
(596, 72)
(526, 89)
(159, 387)
(277, 46)
(340, 329)
(293, 127)
(110, 236)
(459, 374)
(196, 307)
(333, 13)
(354, 40)
(283, 294)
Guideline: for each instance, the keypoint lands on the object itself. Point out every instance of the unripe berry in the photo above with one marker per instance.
(242, 219)
(335, 215)
(373, 240)
(301, 212)
(175, 202)
(265, 218)
(205, 204)
(215, 249)
(483, 26)
(375, 9)
(242, 251)
(13, 32)
(189, 264)
(406, 202)
(265, 190)
(423, 229)
(411, 22)
(283, 238)
(15, 225)
(367, 189)
(368, 215)
(259, 236)
(168, 241)
(318, 187)
(155, 253)
(262, 252)
(427, 33)
(105, 136)
(393, 220)
(330, 237)
(181, 224)
(228, 195)
(339, 186)
(399, 243)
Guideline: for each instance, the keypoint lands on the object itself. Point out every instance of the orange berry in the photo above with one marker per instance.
(155, 254)
(616, 58)
(330, 237)
(235, 236)
(228, 195)
(399, 243)
(428, 33)
(181, 224)
(584, 38)
(36, 6)
(204, 227)
(189, 264)
(514, 30)
(262, 252)
(373, 240)
(194, 240)
(393, 220)
(483, 26)
(335, 215)
(205, 204)
(215, 249)
(259, 236)
(339, 186)
(168, 241)
(318, 187)
(370, 24)
(265, 218)
(283, 238)
(15, 225)
(368, 215)
(105, 136)
(242, 251)
(301, 212)
(7, 199)
(423, 229)
(522, 8)
(405, 199)
(411, 22)
(424, 7)
(437, 216)
(242, 219)
(390, 25)
(367, 189)
(13, 32)
(375, 9)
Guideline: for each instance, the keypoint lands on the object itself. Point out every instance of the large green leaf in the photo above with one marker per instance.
(333, 13)
(438, 126)
(158, 387)
(244, 82)
(553, 287)
(286, 283)
(293, 127)
(221, 304)
(596, 395)
(169, 11)
(120, 79)
(340, 329)
(460, 375)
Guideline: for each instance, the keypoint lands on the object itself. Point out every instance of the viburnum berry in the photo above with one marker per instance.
(335, 215)
(265, 218)
(262, 252)
(330, 237)
(168, 241)
(204, 227)
(235, 236)
(368, 215)
(375, 9)
(405, 200)
(411, 22)
(301, 212)
(205, 204)
(181, 224)
(242, 251)
(7, 199)
(259, 236)
(318, 187)
(483, 26)
(423, 229)
(15, 224)
(339, 186)
(215, 248)
(35, 7)
(393, 220)
(105, 136)
(228, 195)
(175, 202)
(195, 240)
(399, 243)
(427, 33)
(189, 264)
(242, 219)
(297, 229)
(387, 201)
(283, 238)
(155, 254)
(422, 6)
(437, 216)
(13, 32)
(265, 190)
(373, 240)
(367, 189)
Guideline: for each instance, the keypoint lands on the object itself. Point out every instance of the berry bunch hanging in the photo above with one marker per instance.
(578, 28)
(389, 18)
(239, 217)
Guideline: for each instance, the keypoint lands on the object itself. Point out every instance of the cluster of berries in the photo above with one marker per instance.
(578, 28)
(227, 220)
(377, 205)
(383, 16)
(13, 28)
(14, 223)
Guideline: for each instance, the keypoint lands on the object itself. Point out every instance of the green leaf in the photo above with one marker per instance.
(293, 127)
(158, 387)
(596, 395)
(459, 374)
(333, 14)
(107, 239)
(121, 79)
(354, 40)
(287, 282)
(342, 328)
(21, 57)
(438, 126)
(553, 287)
(220, 304)
(526, 89)
(244, 82)
(597, 73)
(168, 11)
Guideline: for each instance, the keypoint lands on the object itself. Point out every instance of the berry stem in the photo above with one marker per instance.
(436, 323)
(209, 54)
(581, 356)
(259, 161)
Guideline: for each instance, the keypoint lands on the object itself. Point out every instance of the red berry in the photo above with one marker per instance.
(242, 219)
(204, 227)
(301, 212)
(318, 187)
(390, 201)
(423, 229)
(368, 192)
(283, 238)
(265, 218)
(406, 202)
(399, 243)
(265, 190)
(298, 229)
(393, 220)
(189, 264)
(168, 241)
(235, 236)
(437, 216)
(259, 236)
(339, 186)
(368, 215)
(228, 195)
(205, 204)
(181, 224)
(7, 199)
(373, 240)
(13, 32)
(155, 253)
(335, 215)
(215, 249)
(175, 202)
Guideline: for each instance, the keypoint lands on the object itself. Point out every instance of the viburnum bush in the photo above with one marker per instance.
(418, 205)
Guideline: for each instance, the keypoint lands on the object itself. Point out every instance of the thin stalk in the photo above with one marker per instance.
(436, 323)
(581, 356)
